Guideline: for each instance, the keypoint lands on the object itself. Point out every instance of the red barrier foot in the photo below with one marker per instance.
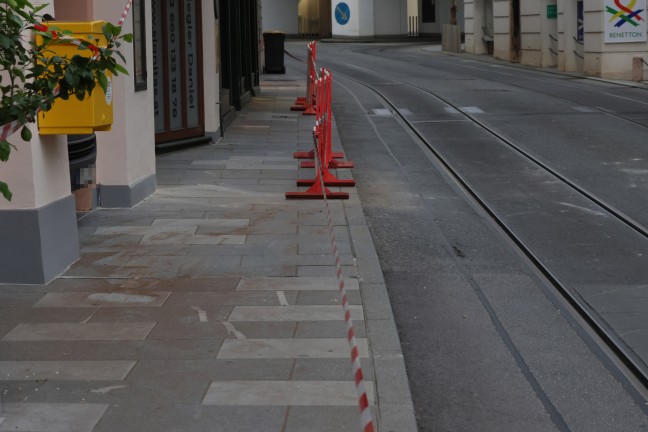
(311, 155)
(329, 180)
(332, 164)
(316, 192)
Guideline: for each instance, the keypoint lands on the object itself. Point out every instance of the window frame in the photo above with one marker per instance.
(140, 70)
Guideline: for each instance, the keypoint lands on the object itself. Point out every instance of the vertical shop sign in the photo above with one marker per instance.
(191, 64)
(158, 65)
(174, 65)
(625, 21)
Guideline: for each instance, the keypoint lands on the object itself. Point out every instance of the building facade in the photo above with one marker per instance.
(192, 65)
(361, 19)
(594, 37)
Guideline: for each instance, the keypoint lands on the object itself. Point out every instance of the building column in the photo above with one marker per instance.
(126, 154)
(39, 237)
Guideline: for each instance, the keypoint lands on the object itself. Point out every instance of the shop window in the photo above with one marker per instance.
(139, 45)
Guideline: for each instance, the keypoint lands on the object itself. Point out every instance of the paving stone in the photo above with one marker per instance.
(64, 370)
(18, 299)
(201, 222)
(293, 313)
(325, 271)
(89, 331)
(323, 419)
(329, 369)
(289, 348)
(213, 369)
(34, 350)
(283, 393)
(292, 283)
(250, 298)
(327, 298)
(328, 329)
(106, 299)
(168, 349)
(190, 418)
(168, 315)
(51, 417)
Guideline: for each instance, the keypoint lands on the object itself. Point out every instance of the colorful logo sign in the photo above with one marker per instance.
(625, 21)
(342, 13)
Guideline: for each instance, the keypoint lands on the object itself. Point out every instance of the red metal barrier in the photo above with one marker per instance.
(308, 103)
(322, 136)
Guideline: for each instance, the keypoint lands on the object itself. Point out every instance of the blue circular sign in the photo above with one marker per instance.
(342, 13)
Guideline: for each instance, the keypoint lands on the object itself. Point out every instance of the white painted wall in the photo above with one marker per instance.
(37, 171)
(390, 17)
(280, 15)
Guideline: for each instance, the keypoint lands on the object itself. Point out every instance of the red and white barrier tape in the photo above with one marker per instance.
(363, 399)
(124, 13)
(9, 129)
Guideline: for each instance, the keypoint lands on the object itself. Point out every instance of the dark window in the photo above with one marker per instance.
(139, 45)
(429, 11)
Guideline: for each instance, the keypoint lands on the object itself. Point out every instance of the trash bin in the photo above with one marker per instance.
(274, 52)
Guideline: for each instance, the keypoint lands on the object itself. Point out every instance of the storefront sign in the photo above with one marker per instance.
(625, 21)
(552, 11)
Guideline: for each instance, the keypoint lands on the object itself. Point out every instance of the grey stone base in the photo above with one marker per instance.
(124, 196)
(36, 245)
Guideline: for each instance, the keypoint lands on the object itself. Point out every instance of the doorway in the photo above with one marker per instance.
(515, 32)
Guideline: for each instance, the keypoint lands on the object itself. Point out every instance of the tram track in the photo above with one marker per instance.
(597, 109)
(609, 337)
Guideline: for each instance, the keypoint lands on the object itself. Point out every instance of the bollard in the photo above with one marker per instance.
(637, 68)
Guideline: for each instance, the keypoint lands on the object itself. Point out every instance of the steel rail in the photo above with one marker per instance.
(634, 365)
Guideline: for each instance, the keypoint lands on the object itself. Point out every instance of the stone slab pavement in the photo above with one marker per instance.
(211, 306)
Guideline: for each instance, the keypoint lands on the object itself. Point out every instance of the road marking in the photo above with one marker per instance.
(232, 330)
(471, 110)
(283, 301)
(202, 315)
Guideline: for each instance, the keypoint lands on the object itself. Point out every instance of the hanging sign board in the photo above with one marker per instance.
(625, 21)
(552, 11)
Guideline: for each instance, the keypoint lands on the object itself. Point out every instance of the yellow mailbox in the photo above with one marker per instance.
(94, 113)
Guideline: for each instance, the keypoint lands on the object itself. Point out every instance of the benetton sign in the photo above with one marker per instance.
(625, 21)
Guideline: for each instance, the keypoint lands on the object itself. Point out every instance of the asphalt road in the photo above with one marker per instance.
(488, 343)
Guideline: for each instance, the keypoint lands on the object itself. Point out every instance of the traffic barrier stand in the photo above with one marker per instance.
(310, 58)
(322, 130)
(328, 157)
(323, 134)
(304, 103)
(318, 189)
(307, 104)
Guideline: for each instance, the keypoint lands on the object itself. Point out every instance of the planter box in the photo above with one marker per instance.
(451, 38)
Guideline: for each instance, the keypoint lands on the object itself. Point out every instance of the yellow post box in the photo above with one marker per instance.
(94, 113)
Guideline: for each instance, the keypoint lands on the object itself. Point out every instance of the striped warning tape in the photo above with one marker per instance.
(9, 129)
(363, 399)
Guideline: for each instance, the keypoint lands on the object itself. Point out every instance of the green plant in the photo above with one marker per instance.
(32, 76)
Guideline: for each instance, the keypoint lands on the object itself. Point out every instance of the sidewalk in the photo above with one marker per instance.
(211, 306)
